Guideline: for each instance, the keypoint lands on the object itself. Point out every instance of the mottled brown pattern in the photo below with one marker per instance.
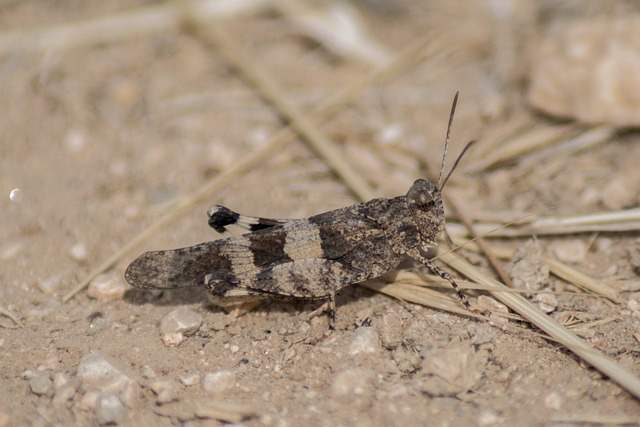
(309, 258)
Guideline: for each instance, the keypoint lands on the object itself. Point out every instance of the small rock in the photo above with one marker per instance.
(165, 391)
(97, 371)
(78, 252)
(364, 340)
(219, 382)
(28, 374)
(49, 285)
(587, 70)
(528, 269)
(619, 193)
(352, 382)
(63, 395)
(288, 354)
(173, 339)
(60, 380)
(391, 332)
(107, 287)
(51, 363)
(183, 320)
(41, 385)
(547, 303)
(448, 371)
(110, 410)
(553, 401)
(147, 372)
(190, 379)
(488, 418)
(570, 250)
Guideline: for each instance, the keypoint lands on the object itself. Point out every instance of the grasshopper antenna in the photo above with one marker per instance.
(446, 141)
(441, 182)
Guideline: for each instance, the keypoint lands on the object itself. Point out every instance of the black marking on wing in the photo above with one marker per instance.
(220, 217)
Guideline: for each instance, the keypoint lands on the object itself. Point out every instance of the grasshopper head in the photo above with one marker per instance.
(425, 205)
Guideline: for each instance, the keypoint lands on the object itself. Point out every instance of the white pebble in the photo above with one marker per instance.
(147, 372)
(164, 390)
(173, 339)
(183, 320)
(570, 250)
(110, 410)
(50, 284)
(190, 379)
(63, 395)
(219, 382)
(107, 287)
(547, 303)
(364, 340)
(98, 371)
(553, 401)
(78, 252)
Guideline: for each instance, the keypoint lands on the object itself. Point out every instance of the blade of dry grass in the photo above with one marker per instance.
(534, 139)
(604, 222)
(558, 332)
(140, 22)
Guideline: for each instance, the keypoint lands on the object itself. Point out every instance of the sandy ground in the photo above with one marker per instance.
(98, 141)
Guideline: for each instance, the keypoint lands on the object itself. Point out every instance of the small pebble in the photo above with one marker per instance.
(288, 354)
(147, 372)
(572, 251)
(98, 371)
(391, 331)
(488, 417)
(165, 391)
(553, 401)
(547, 303)
(448, 371)
(183, 320)
(49, 285)
(78, 252)
(190, 379)
(107, 287)
(219, 382)
(364, 340)
(41, 385)
(59, 380)
(63, 395)
(528, 269)
(173, 339)
(51, 363)
(109, 410)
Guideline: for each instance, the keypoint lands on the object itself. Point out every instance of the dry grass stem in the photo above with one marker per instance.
(338, 28)
(517, 146)
(140, 22)
(605, 222)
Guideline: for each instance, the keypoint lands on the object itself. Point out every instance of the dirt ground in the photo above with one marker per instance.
(100, 138)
